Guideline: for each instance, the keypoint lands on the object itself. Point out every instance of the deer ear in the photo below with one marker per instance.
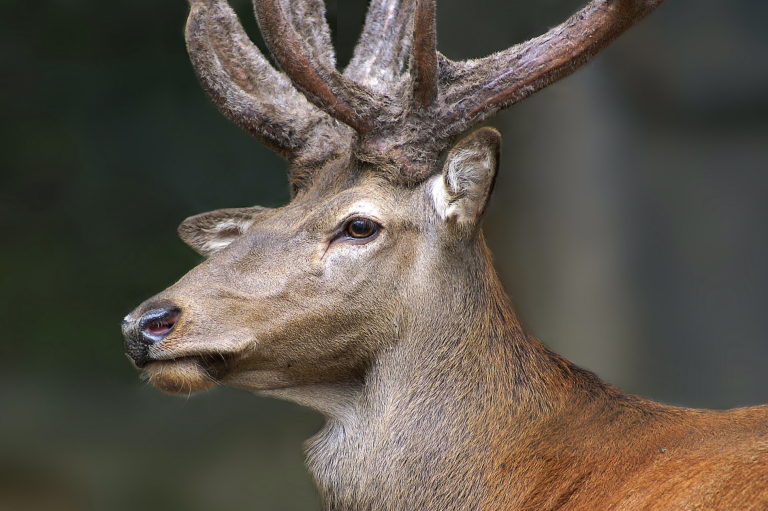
(462, 192)
(208, 233)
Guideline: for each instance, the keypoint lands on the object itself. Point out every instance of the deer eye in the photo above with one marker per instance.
(361, 228)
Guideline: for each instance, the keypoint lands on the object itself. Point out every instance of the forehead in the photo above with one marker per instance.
(368, 195)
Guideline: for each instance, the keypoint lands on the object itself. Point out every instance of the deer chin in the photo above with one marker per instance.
(179, 376)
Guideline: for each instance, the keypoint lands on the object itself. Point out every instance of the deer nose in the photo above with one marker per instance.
(156, 324)
(151, 328)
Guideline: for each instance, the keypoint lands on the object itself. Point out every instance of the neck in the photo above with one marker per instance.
(457, 377)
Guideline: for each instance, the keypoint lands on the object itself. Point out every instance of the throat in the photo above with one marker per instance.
(339, 402)
(437, 404)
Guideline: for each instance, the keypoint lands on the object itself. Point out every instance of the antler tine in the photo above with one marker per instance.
(317, 80)
(242, 84)
(424, 54)
(381, 54)
(307, 17)
(512, 75)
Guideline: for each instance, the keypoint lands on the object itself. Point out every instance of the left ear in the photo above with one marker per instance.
(208, 233)
(462, 192)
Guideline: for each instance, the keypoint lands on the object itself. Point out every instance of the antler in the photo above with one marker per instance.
(405, 100)
(381, 55)
(478, 89)
(242, 84)
(424, 54)
(316, 78)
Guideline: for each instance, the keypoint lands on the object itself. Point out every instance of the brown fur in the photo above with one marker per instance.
(435, 396)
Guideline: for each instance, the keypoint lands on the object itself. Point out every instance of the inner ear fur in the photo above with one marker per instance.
(208, 233)
(462, 192)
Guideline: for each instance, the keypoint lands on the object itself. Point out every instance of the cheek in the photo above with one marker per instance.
(338, 264)
(345, 264)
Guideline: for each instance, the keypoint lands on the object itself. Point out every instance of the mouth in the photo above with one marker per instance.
(188, 374)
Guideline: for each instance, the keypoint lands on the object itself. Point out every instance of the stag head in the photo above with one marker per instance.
(381, 238)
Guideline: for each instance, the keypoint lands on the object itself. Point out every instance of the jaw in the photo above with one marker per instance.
(179, 376)
(188, 372)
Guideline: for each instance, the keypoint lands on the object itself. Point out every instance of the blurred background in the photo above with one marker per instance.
(628, 225)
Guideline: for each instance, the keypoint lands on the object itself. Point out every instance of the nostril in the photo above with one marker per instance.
(155, 325)
(160, 327)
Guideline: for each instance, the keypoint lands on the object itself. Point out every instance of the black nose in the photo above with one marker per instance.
(150, 329)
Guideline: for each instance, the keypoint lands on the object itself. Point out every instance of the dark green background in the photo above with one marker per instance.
(629, 226)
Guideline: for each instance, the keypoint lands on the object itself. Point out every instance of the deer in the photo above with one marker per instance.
(372, 298)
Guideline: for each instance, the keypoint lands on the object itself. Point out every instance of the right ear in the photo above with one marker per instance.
(461, 193)
(208, 233)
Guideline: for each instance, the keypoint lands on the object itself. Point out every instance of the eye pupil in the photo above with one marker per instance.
(361, 228)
